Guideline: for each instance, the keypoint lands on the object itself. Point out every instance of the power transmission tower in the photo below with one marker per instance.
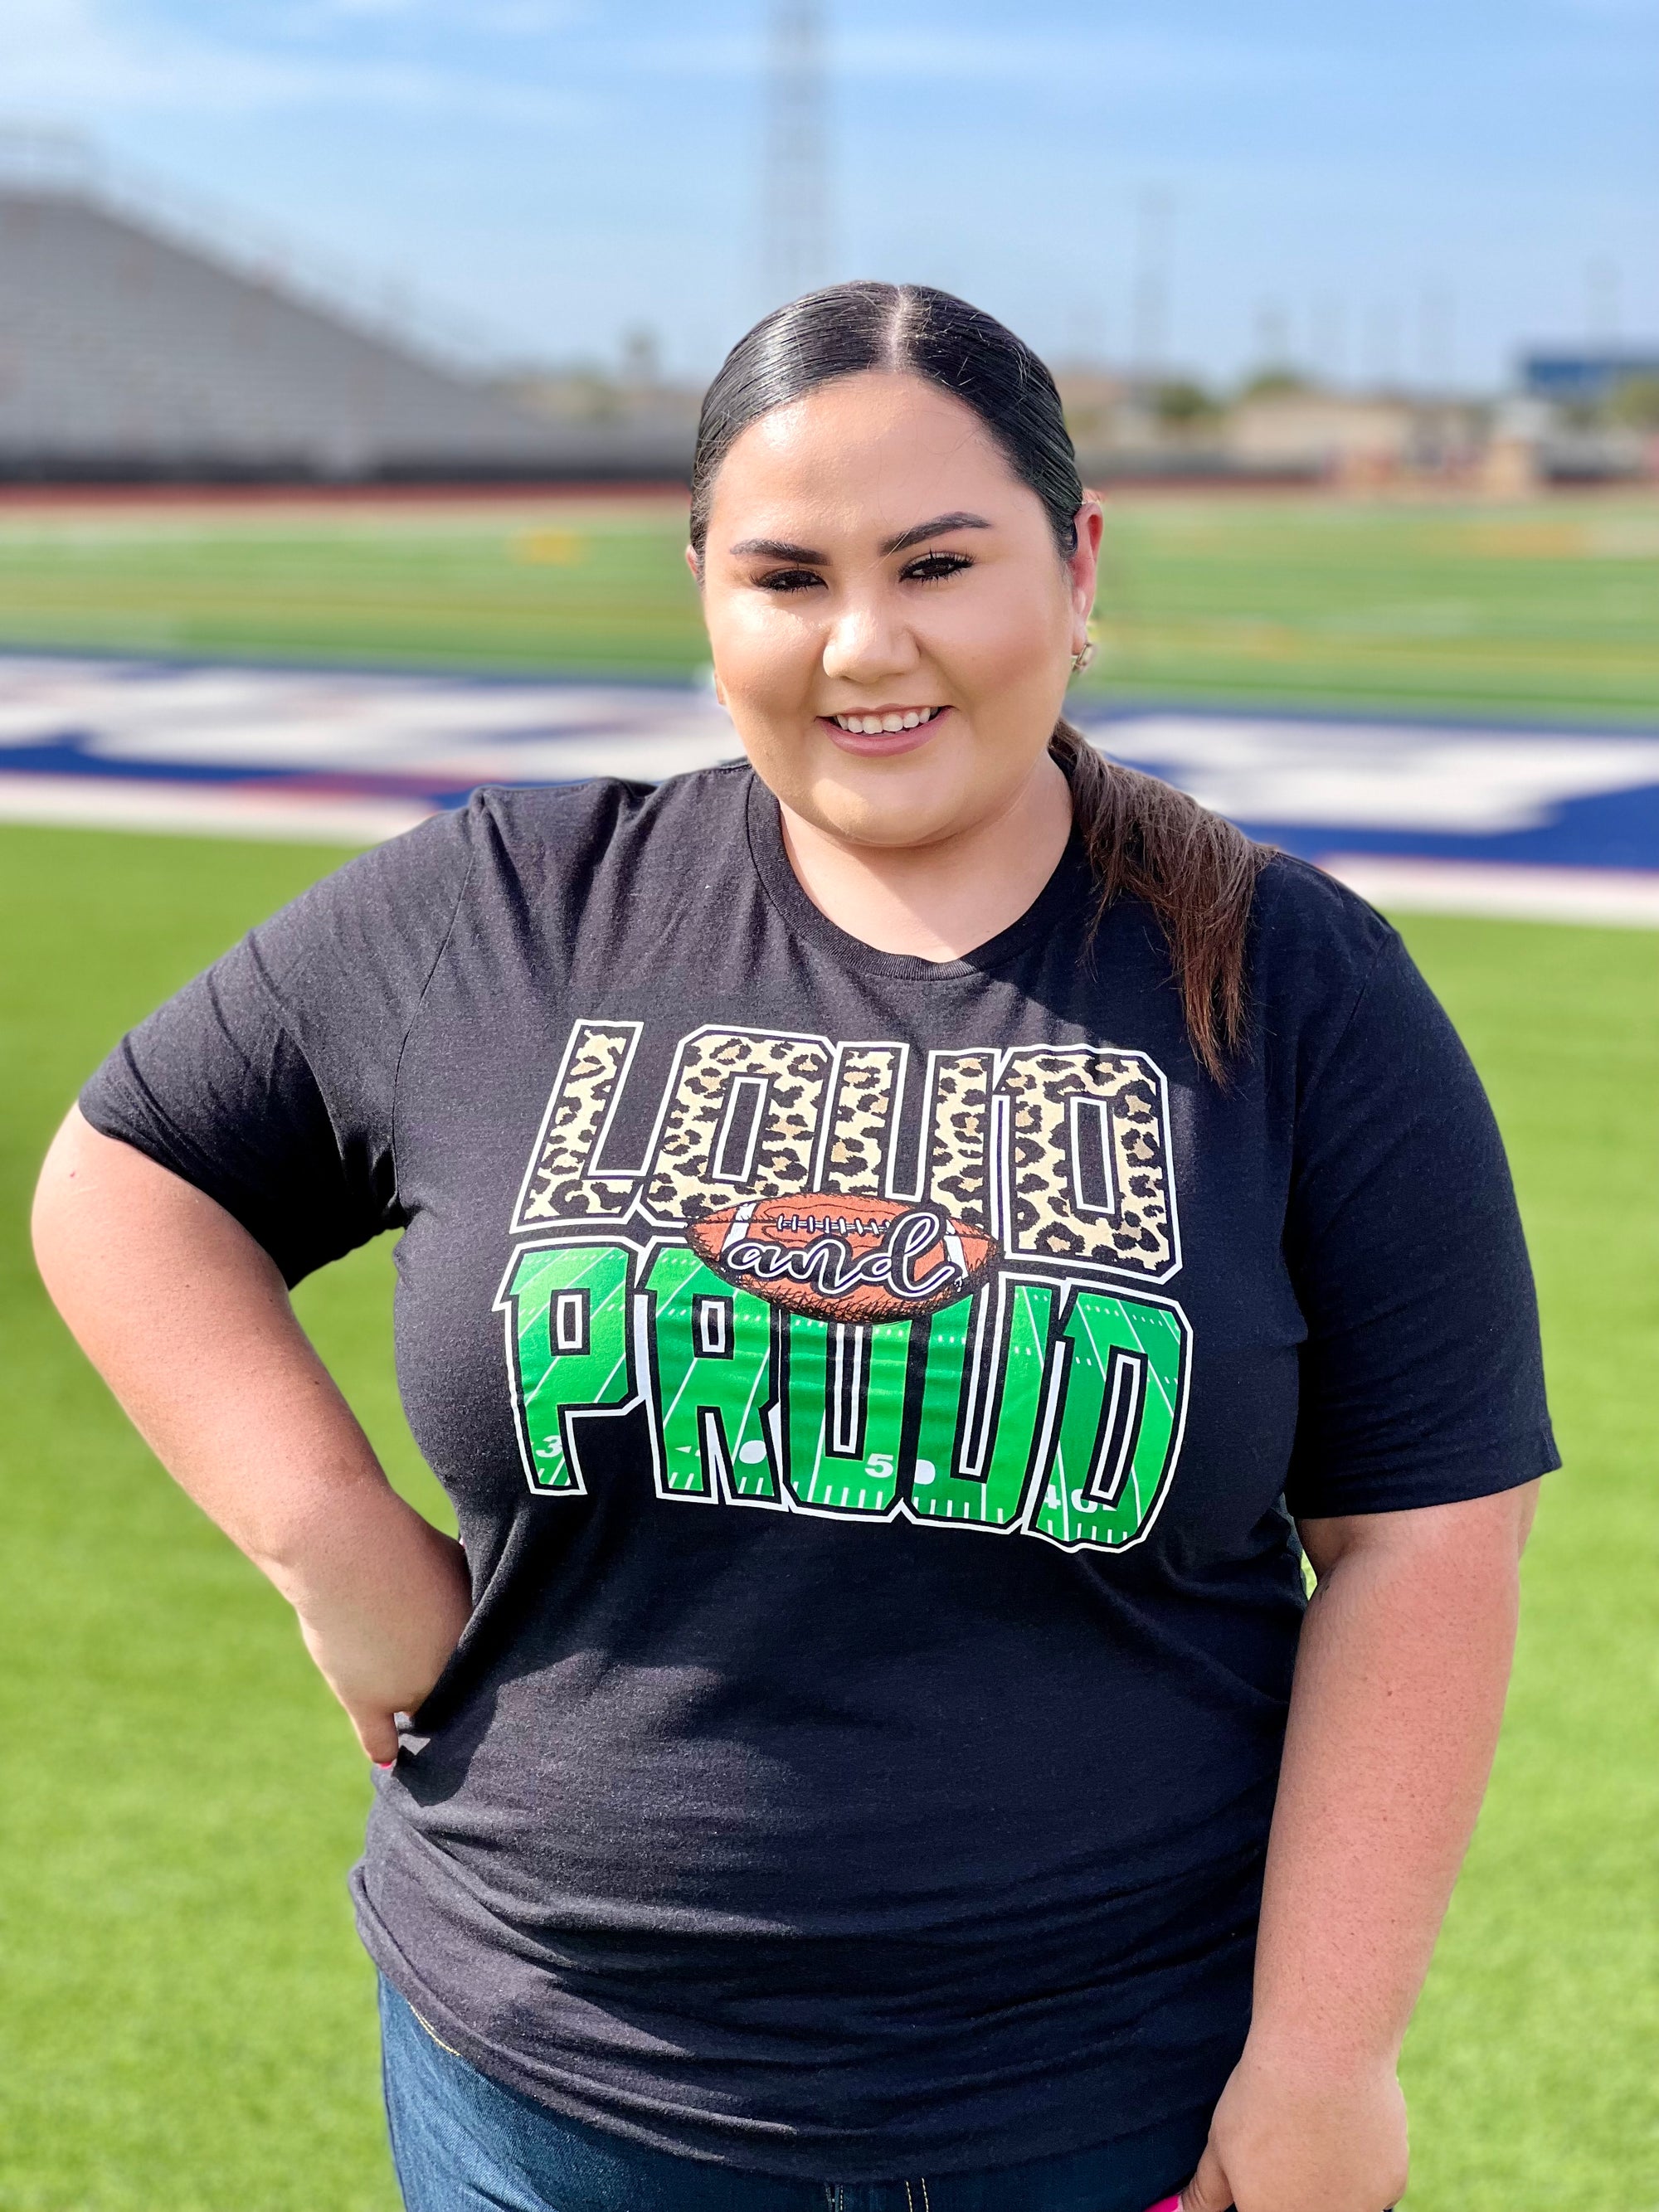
(1602, 301)
(1154, 238)
(795, 213)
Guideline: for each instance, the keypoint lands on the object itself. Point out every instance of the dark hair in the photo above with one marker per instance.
(1195, 871)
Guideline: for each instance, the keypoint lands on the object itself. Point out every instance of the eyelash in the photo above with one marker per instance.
(940, 566)
(930, 568)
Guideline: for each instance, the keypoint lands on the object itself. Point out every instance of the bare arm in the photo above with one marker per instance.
(188, 1323)
(1400, 1683)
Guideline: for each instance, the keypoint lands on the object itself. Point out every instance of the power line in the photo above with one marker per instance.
(795, 212)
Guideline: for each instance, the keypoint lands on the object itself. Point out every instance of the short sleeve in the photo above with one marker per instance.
(1421, 1373)
(269, 1081)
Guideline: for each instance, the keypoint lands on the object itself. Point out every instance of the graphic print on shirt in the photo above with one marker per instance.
(971, 1338)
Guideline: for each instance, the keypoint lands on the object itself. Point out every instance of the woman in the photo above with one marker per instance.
(900, 1235)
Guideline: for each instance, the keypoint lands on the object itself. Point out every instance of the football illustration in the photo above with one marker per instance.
(841, 1257)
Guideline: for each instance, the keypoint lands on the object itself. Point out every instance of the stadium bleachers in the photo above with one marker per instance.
(128, 354)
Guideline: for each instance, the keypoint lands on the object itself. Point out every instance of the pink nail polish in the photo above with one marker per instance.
(386, 1765)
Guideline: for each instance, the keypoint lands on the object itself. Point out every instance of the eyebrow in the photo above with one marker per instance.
(936, 528)
(780, 549)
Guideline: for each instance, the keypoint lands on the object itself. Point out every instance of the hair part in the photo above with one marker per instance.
(1144, 839)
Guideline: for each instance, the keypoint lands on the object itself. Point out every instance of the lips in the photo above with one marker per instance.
(883, 732)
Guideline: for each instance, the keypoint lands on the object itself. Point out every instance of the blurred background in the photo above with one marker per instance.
(351, 355)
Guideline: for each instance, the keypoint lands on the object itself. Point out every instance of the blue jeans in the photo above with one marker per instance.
(463, 2143)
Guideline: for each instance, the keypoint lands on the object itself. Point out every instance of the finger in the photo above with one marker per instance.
(1209, 2189)
(377, 1734)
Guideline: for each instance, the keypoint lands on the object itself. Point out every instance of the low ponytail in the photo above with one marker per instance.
(1195, 871)
(1192, 870)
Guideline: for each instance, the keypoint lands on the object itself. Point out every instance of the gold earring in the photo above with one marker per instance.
(1082, 661)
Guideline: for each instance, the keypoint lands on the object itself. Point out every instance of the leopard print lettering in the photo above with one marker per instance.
(1044, 1220)
(958, 1118)
(559, 1187)
(795, 1071)
(865, 1100)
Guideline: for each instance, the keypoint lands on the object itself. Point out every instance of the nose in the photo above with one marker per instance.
(868, 640)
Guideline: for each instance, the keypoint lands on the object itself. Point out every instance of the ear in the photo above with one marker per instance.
(1084, 564)
(691, 563)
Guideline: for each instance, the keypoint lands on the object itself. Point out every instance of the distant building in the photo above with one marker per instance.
(1349, 437)
(1589, 378)
(660, 416)
(1132, 429)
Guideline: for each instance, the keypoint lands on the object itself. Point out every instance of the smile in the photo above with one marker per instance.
(897, 718)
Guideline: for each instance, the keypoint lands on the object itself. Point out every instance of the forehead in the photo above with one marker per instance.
(871, 450)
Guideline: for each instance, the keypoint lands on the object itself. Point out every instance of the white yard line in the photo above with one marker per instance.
(201, 810)
(1611, 897)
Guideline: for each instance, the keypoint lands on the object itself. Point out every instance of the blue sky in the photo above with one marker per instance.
(1397, 188)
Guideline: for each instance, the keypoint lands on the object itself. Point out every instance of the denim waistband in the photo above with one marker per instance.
(462, 2143)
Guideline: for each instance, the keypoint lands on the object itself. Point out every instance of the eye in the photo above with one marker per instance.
(789, 580)
(934, 568)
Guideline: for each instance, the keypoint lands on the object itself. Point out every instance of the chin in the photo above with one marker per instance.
(877, 814)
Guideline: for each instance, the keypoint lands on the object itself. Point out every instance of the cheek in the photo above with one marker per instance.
(1001, 641)
(763, 656)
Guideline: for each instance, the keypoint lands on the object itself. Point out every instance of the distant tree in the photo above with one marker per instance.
(1274, 384)
(1182, 404)
(1635, 405)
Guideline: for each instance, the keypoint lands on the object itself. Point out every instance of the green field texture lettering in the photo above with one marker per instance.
(712, 1358)
(567, 1310)
(1121, 1422)
(994, 1496)
(846, 1412)
(1117, 1365)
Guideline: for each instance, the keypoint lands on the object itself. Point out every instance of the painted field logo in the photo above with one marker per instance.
(864, 1259)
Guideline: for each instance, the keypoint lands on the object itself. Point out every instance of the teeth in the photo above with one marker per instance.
(874, 725)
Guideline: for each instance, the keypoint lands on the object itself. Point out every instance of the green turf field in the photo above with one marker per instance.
(186, 2024)
(1548, 610)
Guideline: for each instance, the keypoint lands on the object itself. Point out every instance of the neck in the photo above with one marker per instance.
(941, 901)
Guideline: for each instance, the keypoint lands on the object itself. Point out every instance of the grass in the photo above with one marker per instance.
(573, 589)
(187, 2018)
(1530, 2066)
(1522, 611)
(187, 2021)
(1536, 610)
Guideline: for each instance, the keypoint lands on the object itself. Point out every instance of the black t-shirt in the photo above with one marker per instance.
(874, 1393)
